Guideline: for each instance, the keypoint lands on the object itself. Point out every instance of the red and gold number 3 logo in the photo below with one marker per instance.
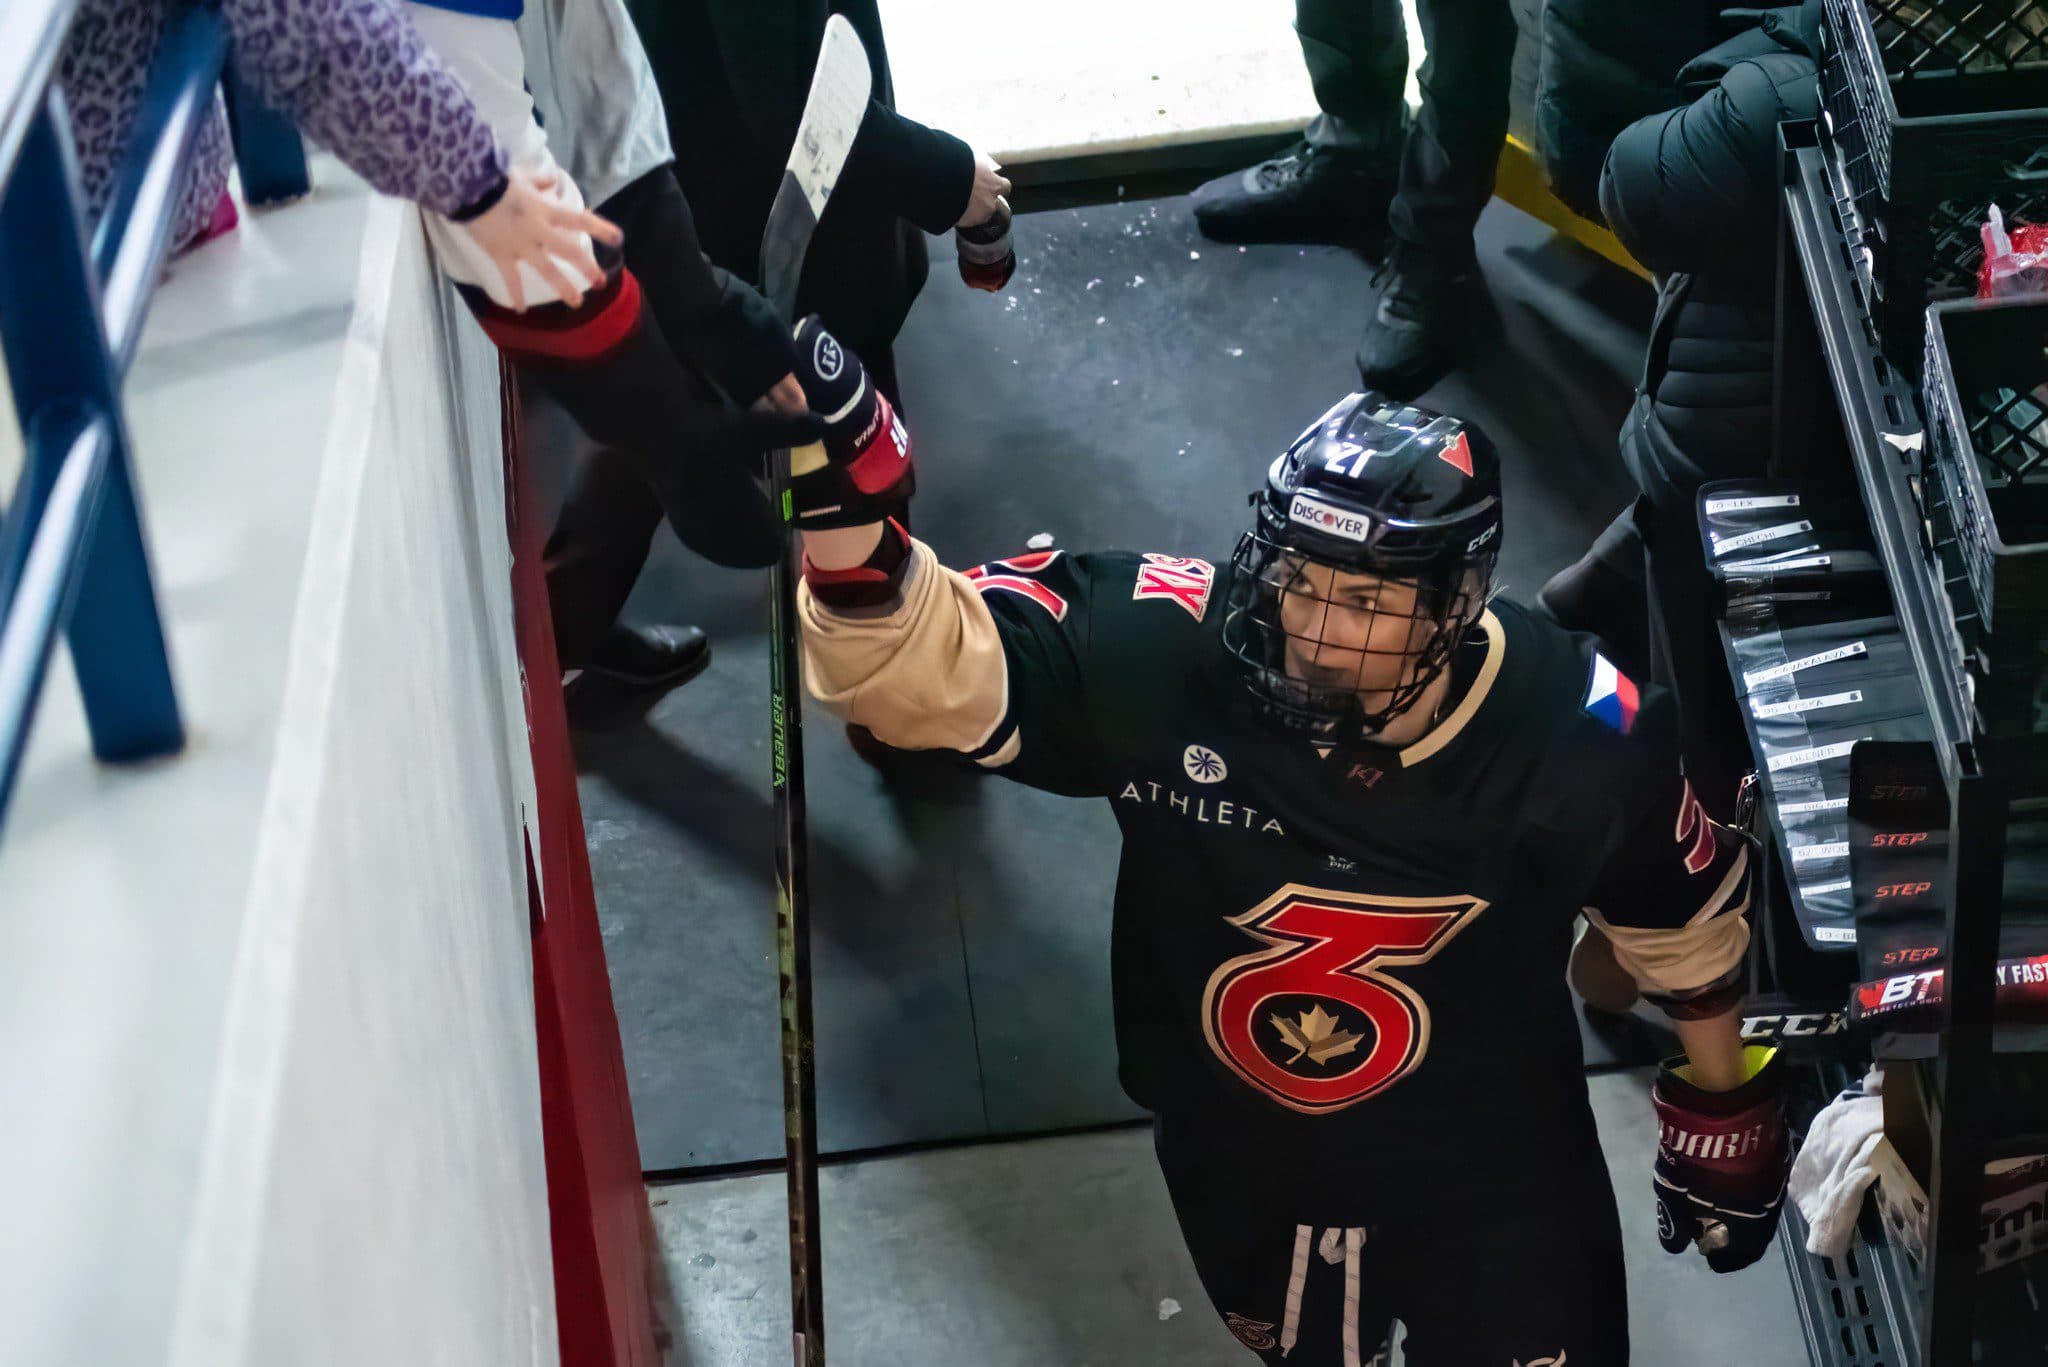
(1313, 1021)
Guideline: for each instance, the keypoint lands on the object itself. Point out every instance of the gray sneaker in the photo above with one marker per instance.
(1306, 194)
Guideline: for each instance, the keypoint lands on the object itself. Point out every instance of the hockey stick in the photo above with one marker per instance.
(832, 115)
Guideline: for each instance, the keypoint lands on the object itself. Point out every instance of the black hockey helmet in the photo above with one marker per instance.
(1374, 488)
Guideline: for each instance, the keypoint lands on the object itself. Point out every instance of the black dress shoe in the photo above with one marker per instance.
(1306, 194)
(631, 669)
(1419, 328)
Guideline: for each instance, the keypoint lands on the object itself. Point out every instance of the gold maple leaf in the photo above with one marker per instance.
(1315, 1036)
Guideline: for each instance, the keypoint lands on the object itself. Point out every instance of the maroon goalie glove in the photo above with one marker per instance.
(860, 472)
(1722, 1160)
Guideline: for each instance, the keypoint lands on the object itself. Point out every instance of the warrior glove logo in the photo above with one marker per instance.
(826, 357)
(1204, 765)
(1314, 1021)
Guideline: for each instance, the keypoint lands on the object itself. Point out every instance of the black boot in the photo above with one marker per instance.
(1419, 327)
(630, 671)
(1306, 194)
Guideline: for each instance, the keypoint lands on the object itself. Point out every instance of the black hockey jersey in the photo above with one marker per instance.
(1345, 951)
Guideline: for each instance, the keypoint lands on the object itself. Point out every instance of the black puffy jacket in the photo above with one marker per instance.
(1692, 193)
(1695, 188)
(1605, 64)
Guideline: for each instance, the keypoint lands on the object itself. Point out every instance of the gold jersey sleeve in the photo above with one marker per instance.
(927, 673)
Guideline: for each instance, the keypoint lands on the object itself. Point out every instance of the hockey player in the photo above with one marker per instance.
(1362, 803)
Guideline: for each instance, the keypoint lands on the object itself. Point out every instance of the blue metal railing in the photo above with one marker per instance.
(72, 303)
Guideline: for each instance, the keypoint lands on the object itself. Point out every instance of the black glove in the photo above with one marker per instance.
(707, 478)
(1722, 1160)
(742, 438)
(861, 472)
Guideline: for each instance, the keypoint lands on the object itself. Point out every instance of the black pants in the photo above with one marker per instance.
(698, 322)
(1527, 1270)
(1357, 57)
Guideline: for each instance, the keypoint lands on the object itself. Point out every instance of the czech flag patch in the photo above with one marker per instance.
(1612, 697)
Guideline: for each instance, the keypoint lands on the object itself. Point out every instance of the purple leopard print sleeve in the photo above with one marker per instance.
(105, 61)
(354, 75)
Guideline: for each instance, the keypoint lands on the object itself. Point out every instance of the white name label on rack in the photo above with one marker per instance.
(1825, 889)
(1743, 505)
(1753, 677)
(1758, 537)
(1835, 935)
(1834, 849)
(1826, 804)
(1771, 564)
(1799, 705)
(1815, 755)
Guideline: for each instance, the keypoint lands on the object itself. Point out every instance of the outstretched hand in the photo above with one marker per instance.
(529, 226)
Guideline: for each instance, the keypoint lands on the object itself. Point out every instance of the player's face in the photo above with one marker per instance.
(1352, 631)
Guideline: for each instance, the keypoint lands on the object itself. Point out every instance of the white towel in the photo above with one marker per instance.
(1833, 1168)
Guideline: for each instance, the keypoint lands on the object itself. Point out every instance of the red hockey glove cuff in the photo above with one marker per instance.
(873, 583)
(1722, 1160)
(861, 472)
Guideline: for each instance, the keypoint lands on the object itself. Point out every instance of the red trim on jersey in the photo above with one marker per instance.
(1017, 584)
(1694, 827)
(1028, 588)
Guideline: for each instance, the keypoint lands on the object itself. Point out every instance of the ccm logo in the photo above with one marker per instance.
(1897, 838)
(1480, 540)
(1905, 889)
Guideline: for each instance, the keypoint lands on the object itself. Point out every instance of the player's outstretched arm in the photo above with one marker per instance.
(892, 639)
(991, 663)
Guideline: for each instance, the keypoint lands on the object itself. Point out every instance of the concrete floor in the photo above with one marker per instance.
(1062, 1252)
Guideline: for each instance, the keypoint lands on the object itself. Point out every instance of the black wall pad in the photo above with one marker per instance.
(962, 925)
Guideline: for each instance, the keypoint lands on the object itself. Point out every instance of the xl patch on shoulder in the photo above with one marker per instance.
(1176, 579)
(1612, 696)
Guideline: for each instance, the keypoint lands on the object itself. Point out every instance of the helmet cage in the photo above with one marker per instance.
(1268, 577)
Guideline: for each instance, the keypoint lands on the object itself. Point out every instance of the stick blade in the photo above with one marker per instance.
(833, 111)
